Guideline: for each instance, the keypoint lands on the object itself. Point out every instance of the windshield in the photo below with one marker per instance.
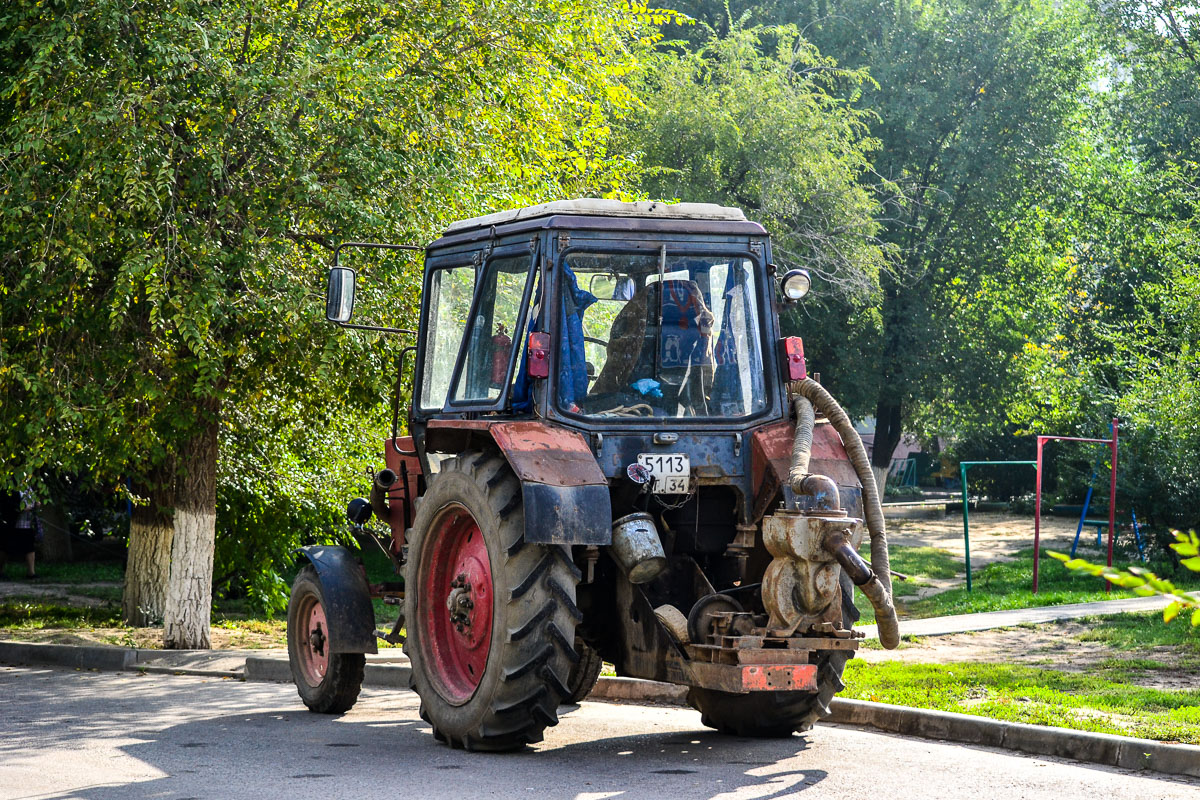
(660, 335)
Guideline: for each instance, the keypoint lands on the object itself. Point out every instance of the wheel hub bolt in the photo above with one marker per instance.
(459, 603)
(317, 640)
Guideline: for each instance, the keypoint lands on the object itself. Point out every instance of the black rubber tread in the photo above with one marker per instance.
(338, 690)
(584, 672)
(779, 714)
(534, 613)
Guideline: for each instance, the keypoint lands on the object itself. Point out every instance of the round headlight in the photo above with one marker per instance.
(795, 284)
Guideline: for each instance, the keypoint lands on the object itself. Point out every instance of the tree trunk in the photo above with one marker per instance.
(189, 590)
(56, 536)
(149, 563)
(888, 428)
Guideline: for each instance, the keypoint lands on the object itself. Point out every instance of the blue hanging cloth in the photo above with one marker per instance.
(727, 379)
(572, 360)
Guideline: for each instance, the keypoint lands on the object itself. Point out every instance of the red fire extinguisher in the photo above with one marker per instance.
(501, 351)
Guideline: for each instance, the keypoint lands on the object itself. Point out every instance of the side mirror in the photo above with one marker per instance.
(339, 297)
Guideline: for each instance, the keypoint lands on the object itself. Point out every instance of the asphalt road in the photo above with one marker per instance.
(105, 736)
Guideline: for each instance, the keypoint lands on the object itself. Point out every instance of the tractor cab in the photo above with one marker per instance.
(612, 455)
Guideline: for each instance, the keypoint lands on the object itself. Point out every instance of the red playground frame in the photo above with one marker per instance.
(1112, 497)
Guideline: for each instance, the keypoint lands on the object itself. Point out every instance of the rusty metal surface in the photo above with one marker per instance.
(745, 678)
(541, 453)
(404, 492)
(771, 459)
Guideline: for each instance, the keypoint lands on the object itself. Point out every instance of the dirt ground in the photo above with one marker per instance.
(147, 638)
(994, 536)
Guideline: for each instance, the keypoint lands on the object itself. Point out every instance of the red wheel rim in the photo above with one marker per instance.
(314, 640)
(456, 615)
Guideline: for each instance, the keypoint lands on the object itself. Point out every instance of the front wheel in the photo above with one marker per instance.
(328, 683)
(584, 673)
(491, 618)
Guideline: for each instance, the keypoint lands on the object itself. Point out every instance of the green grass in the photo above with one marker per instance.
(1006, 585)
(923, 562)
(81, 572)
(1141, 631)
(34, 613)
(1032, 695)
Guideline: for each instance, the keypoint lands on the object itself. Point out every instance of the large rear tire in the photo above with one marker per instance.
(328, 683)
(491, 618)
(779, 714)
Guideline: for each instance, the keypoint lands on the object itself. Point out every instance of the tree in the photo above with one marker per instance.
(174, 174)
(970, 103)
(760, 120)
(1124, 340)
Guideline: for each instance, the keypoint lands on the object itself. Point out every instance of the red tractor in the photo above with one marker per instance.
(612, 456)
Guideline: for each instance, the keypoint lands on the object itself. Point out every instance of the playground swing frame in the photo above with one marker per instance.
(1037, 505)
(1112, 496)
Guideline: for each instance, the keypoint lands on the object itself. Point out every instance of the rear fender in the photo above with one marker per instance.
(348, 609)
(563, 490)
(564, 493)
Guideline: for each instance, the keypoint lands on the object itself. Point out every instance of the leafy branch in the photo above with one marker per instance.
(1144, 582)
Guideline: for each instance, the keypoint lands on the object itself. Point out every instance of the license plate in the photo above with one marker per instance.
(672, 472)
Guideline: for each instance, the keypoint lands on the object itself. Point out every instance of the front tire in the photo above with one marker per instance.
(491, 618)
(779, 714)
(584, 673)
(328, 683)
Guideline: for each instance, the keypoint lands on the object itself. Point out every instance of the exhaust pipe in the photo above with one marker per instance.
(877, 580)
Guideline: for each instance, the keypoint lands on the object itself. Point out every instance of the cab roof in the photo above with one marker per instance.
(595, 207)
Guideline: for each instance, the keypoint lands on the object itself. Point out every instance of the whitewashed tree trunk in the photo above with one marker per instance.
(150, 532)
(189, 588)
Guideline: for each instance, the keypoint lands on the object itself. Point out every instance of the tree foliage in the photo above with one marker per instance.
(1146, 583)
(174, 174)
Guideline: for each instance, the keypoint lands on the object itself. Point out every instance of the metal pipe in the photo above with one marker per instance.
(823, 490)
(1037, 512)
(879, 592)
(839, 545)
(1112, 501)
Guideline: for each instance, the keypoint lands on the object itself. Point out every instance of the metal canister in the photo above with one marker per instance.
(637, 548)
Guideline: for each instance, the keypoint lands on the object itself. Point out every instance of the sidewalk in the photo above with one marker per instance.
(964, 623)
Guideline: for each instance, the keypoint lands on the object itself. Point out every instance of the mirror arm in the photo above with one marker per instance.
(374, 328)
(337, 254)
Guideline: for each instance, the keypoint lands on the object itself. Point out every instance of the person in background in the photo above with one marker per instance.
(19, 529)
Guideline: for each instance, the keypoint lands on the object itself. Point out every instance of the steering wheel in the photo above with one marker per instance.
(594, 340)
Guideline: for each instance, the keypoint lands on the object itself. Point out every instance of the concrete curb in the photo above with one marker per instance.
(277, 670)
(1096, 748)
(393, 672)
(68, 655)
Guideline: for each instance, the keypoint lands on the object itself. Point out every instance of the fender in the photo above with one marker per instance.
(348, 609)
(564, 492)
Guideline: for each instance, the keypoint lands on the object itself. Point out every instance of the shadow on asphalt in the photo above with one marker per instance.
(201, 743)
